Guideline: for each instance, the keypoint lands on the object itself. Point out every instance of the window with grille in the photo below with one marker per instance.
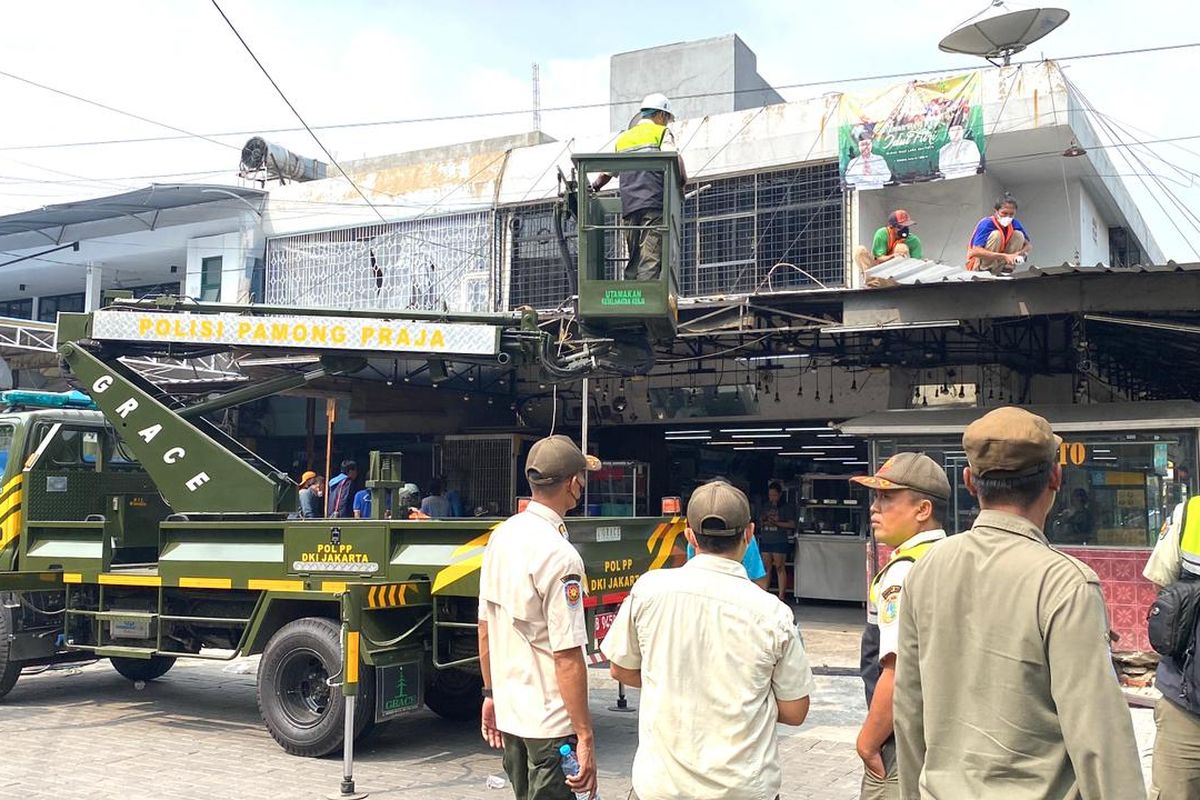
(443, 263)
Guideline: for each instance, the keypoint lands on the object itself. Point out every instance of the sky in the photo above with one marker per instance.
(176, 62)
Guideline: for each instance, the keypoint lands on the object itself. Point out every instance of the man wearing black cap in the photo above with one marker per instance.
(532, 631)
(908, 504)
(719, 662)
(895, 240)
(1004, 679)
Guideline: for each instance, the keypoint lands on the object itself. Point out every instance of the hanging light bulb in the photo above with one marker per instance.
(800, 383)
(854, 384)
(924, 400)
(962, 391)
(916, 392)
(776, 393)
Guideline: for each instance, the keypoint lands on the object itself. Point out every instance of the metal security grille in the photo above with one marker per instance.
(483, 470)
(750, 234)
(444, 263)
(754, 233)
(538, 275)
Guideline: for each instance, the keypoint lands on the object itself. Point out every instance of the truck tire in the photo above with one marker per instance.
(302, 713)
(9, 670)
(143, 669)
(456, 695)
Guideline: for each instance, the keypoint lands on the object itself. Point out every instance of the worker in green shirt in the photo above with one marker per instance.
(894, 241)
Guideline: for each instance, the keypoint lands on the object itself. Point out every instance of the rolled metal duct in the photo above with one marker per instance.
(259, 154)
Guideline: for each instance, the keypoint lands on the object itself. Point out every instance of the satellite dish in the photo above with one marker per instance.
(1001, 30)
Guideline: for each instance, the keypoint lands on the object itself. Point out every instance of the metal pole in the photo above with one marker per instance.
(587, 402)
(622, 703)
(346, 791)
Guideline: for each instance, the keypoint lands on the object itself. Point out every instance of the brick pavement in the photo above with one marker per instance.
(88, 733)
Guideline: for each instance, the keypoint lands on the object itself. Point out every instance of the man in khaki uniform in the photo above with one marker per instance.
(908, 504)
(532, 631)
(1175, 770)
(719, 662)
(1004, 680)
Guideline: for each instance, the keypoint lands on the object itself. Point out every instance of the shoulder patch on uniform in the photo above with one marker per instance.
(573, 590)
(889, 605)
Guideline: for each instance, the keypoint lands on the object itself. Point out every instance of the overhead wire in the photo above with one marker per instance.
(186, 134)
(288, 103)
(562, 108)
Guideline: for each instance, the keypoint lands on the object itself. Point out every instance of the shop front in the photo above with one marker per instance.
(1125, 468)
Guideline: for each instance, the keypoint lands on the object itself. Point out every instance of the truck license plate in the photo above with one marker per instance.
(603, 623)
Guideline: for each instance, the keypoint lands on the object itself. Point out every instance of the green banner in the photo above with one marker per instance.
(912, 133)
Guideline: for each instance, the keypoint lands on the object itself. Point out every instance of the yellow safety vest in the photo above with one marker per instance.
(907, 554)
(642, 136)
(1189, 543)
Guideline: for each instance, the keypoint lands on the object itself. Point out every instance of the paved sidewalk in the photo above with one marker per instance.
(196, 734)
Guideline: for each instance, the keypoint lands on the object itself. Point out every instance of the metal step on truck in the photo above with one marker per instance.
(134, 528)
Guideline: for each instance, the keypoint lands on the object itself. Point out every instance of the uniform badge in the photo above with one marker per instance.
(889, 605)
(573, 590)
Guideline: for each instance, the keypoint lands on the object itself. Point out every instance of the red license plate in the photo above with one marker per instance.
(603, 623)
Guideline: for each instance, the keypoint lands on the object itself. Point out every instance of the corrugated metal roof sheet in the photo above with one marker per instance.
(911, 272)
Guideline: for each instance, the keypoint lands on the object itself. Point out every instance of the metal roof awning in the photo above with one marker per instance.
(156, 197)
(1095, 417)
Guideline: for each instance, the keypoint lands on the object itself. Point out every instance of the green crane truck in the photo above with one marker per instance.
(133, 528)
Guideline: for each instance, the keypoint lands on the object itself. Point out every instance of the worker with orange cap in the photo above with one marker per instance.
(895, 240)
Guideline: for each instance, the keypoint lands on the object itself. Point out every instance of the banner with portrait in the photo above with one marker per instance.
(912, 133)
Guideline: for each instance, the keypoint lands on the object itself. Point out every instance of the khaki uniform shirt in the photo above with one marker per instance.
(715, 652)
(1004, 681)
(1166, 562)
(531, 597)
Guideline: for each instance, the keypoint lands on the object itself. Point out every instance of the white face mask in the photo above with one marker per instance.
(1005, 221)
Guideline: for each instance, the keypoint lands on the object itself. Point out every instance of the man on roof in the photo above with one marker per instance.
(1000, 241)
(895, 240)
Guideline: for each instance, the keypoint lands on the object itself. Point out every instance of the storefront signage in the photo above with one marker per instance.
(298, 331)
(1072, 454)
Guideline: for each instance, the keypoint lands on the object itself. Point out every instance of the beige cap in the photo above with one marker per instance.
(718, 509)
(915, 471)
(1010, 442)
(555, 459)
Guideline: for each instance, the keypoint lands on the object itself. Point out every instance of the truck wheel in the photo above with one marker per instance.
(9, 670)
(302, 712)
(143, 669)
(455, 695)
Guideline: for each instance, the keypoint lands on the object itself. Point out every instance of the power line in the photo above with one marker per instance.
(186, 134)
(552, 109)
(283, 96)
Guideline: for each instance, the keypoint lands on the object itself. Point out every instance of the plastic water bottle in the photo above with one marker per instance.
(570, 766)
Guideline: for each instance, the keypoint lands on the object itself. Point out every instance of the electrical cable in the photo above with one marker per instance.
(287, 102)
(186, 133)
(572, 107)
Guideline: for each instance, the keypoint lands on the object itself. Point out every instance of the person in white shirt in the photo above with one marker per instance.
(719, 663)
(867, 170)
(960, 156)
(532, 633)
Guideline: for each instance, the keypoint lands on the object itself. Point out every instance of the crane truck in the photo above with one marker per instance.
(134, 528)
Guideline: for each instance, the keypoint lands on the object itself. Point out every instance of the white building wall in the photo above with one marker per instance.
(235, 285)
(1093, 231)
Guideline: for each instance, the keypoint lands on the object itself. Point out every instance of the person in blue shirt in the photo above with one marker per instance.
(999, 241)
(362, 504)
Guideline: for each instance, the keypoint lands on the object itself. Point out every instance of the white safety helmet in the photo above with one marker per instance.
(657, 101)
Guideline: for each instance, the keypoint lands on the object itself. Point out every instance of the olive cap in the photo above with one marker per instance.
(915, 471)
(556, 459)
(718, 509)
(1010, 442)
